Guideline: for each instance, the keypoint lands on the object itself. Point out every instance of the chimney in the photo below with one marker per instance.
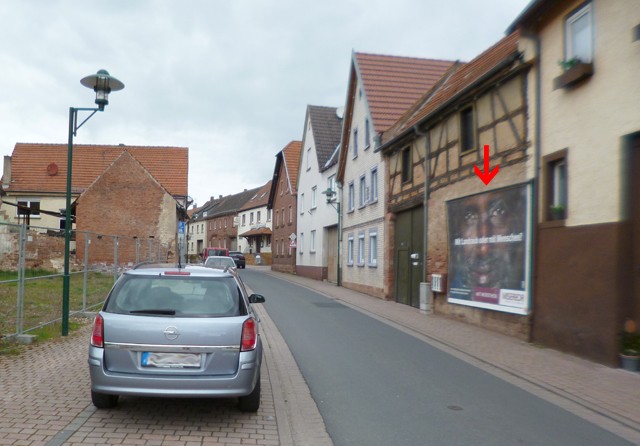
(6, 176)
(220, 197)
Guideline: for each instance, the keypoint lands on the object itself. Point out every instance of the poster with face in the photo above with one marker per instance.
(489, 247)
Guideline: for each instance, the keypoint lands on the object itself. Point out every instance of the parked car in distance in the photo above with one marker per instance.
(238, 257)
(219, 262)
(214, 252)
(171, 331)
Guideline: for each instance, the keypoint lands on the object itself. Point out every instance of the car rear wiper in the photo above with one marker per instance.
(154, 311)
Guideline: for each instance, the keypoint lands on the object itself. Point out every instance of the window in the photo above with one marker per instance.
(374, 185)
(579, 35)
(312, 242)
(28, 207)
(556, 185)
(244, 219)
(355, 143)
(350, 250)
(352, 197)
(290, 214)
(301, 243)
(373, 247)
(225, 222)
(309, 158)
(251, 218)
(258, 217)
(406, 164)
(467, 134)
(314, 197)
(284, 218)
(362, 197)
(367, 134)
(331, 183)
(268, 214)
(277, 214)
(361, 249)
(301, 204)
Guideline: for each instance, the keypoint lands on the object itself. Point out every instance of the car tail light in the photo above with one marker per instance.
(97, 337)
(249, 335)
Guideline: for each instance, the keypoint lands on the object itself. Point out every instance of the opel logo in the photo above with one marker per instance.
(171, 333)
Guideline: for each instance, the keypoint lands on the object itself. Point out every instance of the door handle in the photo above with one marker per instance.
(415, 256)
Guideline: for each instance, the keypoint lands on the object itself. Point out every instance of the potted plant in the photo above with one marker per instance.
(557, 212)
(630, 347)
(574, 71)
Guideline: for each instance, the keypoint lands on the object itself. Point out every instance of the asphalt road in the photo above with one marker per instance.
(376, 385)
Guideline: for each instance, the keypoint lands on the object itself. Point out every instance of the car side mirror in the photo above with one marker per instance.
(256, 299)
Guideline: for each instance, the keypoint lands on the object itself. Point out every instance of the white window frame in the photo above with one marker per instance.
(361, 253)
(373, 248)
(350, 250)
(351, 197)
(362, 196)
(301, 243)
(367, 134)
(28, 202)
(302, 203)
(314, 195)
(373, 188)
(355, 142)
(312, 241)
(569, 34)
(309, 158)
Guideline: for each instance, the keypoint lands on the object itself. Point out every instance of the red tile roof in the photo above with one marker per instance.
(43, 167)
(392, 84)
(260, 198)
(455, 82)
(291, 154)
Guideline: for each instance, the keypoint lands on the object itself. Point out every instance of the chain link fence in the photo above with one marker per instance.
(32, 264)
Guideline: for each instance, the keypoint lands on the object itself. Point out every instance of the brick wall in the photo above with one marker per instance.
(127, 201)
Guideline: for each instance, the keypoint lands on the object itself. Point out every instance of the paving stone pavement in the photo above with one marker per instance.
(45, 400)
(602, 395)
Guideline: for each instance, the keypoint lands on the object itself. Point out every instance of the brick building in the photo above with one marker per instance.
(282, 202)
(127, 201)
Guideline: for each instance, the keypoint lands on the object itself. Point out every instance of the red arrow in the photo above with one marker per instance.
(487, 175)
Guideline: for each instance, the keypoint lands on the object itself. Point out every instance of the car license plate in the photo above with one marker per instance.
(171, 360)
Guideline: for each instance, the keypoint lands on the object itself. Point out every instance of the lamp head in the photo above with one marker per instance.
(330, 193)
(103, 84)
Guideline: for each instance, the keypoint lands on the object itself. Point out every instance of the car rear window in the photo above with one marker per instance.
(179, 296)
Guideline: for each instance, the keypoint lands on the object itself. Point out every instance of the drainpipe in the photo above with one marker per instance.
(537, 163)
(425, 238)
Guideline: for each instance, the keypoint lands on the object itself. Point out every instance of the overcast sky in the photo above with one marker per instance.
(229, 79)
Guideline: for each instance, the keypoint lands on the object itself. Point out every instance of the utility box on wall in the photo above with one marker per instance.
(439, 283)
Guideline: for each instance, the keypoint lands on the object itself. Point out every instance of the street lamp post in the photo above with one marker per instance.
(333, 201)
(103, 84)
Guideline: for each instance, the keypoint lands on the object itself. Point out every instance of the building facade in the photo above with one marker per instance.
(282, 203)
(318, 219)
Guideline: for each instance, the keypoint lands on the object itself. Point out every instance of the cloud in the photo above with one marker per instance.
(230, 79)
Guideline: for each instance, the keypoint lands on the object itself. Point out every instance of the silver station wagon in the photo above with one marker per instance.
(171, 331)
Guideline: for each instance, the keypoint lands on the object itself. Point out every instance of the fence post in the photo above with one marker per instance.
(115, 258)
(22, 248)
(87, 242)
(151, 248)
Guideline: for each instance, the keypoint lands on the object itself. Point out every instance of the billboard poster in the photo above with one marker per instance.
(489, 249)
